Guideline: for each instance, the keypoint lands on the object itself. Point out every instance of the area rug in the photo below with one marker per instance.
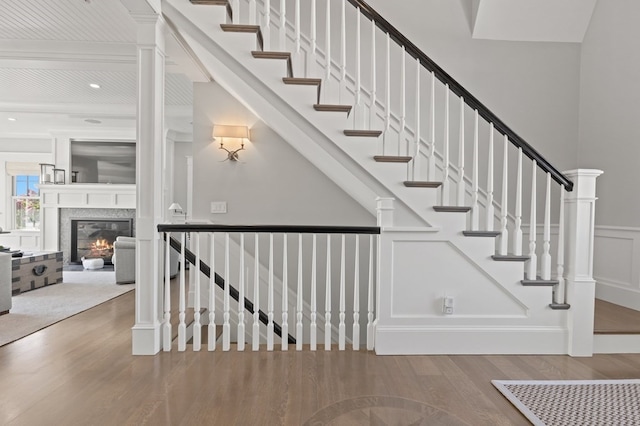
(40, 308)
(575, 402)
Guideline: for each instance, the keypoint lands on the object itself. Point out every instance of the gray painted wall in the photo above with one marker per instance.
(272, 183)
(533, 87)
(610, 109)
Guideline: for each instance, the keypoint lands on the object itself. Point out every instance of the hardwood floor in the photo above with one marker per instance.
(80, 372)
(615, 319)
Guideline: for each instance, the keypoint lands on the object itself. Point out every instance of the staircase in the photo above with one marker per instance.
(445, 237)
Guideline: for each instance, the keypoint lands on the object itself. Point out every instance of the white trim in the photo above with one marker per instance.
(616, 344)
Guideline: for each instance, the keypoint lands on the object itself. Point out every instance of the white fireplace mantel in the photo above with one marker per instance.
(78, 195)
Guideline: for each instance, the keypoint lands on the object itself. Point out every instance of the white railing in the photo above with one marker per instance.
(334, 266)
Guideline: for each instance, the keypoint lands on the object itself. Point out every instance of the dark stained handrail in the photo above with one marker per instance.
(457, 88)
(276, 229)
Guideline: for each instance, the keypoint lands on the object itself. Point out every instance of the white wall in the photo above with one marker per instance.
(610, 108)
(610, 141)
(533, 87)
(271, 184)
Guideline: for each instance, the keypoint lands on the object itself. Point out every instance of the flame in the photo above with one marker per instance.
(100, 246)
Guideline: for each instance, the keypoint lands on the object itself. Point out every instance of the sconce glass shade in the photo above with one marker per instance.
(46, 172)
(175, 207)
(59, 176)
(221, 131)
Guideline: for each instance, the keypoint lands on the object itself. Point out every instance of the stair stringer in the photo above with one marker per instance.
(319, 137)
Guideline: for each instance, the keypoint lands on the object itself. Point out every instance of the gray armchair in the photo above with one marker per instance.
(124, 260)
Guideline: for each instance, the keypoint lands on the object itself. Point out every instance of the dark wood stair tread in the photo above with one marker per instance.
(211, 2)
(539, 283)
(363, 133)
(302, 81)
(332, 108)
(392, 159)
(491, 234)
(452, 209)
(421, 184)
(559, 306)
(240, 28)
(270, 55)
(509, 258)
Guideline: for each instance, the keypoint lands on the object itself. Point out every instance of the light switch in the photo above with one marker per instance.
(218, 207)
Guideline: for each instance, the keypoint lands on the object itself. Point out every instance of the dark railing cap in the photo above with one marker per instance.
(269, 229)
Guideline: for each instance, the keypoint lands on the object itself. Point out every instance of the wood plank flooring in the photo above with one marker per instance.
(81, 372)
(615, 319)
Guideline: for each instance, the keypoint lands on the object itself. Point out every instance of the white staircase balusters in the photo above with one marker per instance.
(197, 326)
(504, 232)
(270, 324)
(517, 229)
(297, 27)
(211, 328)
(327, 299)
(285, 295)
(299, 298)
(313, 329)
(373, 95)
(475, 213)
(327, 53)
(370, 318)
(313, 42)
(403, 102)
(283, 26)
(387, 96)
(342, 328)
(226, 318)
(432, 130)
(461, 185)
(559, 292)
(266, 28)
(415, 163)
(241, 284)
(489, 210)
(255, 334)
(253, 12)
(445, 163)
(235, 6)
(358, 88)
(545, 260)
(166, 323)
(532, 264)
(355, 335)
(343, 50)
(182, 326)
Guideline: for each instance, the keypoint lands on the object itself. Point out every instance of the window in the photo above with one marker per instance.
(26, 202)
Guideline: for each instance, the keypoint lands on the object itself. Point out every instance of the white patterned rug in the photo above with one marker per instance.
(575, 402)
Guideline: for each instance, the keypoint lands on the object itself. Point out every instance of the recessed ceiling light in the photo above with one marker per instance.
(92, 121)
(11, 119)
(94, 85)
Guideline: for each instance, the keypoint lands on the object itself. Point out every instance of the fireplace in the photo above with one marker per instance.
(94, 238)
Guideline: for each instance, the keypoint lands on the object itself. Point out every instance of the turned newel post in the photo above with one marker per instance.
(580, 285)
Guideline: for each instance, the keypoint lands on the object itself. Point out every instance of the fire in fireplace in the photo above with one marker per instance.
(94, 238)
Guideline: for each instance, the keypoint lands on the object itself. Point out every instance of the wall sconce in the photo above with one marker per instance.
(176, 208)
(235, 132)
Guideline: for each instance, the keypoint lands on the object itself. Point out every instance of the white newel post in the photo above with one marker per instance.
(384, 267)
(149, 209)
(580, 216)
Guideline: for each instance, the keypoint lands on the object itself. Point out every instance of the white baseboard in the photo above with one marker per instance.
(616, 344)
(609, 292)
(469, 340)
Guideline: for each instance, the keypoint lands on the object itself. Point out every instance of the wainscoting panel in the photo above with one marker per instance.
(616, 266)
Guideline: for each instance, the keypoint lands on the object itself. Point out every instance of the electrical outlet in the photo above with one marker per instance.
(218, 207)
(447, 305)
